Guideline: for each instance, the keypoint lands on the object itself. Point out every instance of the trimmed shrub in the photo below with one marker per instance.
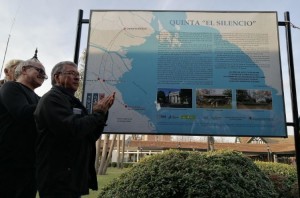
(283, 176)
(113, 164)
(192, 174)
(295, 190)
(125, 165)
(128, 165)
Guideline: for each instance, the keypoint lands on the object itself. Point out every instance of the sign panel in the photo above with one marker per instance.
(190, 73)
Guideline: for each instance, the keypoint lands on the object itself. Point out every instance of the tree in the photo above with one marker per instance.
(98, 149)
(186, 96)
(136, 137)
(242, 95)
(106, 154)
(161, 97)
(108, 157)
(227, 92)
(123, 151)
(79, 92)
(118, 150)
(103, 156)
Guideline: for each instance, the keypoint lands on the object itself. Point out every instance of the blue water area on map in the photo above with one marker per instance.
(139, 88)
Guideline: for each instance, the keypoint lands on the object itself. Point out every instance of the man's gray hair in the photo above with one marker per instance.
(59, 67)
(30, 62)
(12, 63)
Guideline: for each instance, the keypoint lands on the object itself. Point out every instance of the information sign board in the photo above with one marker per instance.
(187, 72)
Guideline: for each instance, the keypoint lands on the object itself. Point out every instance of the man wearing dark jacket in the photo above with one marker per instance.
(66, 136)
(18, 132)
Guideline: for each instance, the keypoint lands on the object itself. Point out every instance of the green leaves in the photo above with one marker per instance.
(192, 174)
(283, 176)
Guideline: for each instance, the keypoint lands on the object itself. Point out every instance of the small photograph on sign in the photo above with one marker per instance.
(174, 98)
(214, 98)
(254, 99)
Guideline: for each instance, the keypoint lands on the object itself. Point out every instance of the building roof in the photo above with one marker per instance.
(278, 140)
(279, 148)
(272, 145)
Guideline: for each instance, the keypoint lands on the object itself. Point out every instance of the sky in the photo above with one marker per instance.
(51, 27)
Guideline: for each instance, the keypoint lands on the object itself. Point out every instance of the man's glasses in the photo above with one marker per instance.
(72, 73)
(39, 70)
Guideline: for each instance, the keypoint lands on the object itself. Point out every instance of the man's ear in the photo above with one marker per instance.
(24, 70)
(57, 80)
(6, 71)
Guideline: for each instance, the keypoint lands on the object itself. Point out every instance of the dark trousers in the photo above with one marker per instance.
(17, 183)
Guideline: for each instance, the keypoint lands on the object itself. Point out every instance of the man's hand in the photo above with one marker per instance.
(104, 104)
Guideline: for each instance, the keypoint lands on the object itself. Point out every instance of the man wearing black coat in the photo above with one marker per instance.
(66, 136)
(17, 130)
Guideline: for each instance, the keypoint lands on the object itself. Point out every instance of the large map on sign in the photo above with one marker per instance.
(190, 73)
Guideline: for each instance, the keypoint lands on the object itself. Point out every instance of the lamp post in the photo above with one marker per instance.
(268, 148)
(178, 145)
(210, 143)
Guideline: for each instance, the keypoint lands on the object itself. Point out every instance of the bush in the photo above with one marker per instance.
(295, 190)
(279, 168)
(113, 164)
(192, 174)
(283, 176)
(125, 165)
(128, 165)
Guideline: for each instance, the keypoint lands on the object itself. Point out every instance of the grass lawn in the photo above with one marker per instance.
(105, 179)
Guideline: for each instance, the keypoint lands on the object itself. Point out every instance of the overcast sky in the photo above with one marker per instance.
(51, 26)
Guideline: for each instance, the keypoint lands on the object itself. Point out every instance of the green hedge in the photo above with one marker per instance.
(192, 174)
(283, 176)
(125, 164)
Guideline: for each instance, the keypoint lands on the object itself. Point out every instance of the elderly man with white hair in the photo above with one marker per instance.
(17, 130)
(9, 70)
